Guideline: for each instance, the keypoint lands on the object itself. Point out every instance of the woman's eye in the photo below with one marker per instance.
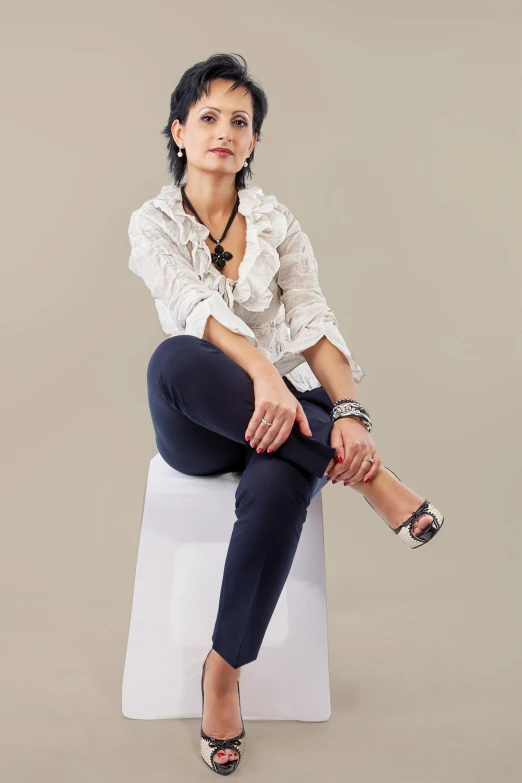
(211, 117)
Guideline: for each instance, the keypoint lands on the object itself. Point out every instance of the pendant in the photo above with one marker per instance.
(220, 256)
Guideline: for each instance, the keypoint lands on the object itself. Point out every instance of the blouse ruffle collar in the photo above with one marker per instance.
(266, 228)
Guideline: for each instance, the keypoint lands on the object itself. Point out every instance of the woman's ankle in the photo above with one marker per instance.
(221, 668)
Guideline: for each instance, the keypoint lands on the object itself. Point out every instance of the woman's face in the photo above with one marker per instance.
(221, 119)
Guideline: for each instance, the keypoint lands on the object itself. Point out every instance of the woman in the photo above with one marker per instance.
(255, 376)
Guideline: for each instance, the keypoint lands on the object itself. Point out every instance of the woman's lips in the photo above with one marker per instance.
(221, 152)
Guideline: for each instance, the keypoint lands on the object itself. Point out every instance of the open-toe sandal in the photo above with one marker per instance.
(210, 746)
(405, 530)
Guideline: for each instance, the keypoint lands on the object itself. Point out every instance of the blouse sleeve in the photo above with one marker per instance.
(172, 280)
(306, 310)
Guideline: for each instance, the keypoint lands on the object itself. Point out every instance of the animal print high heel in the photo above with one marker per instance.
(405, 530)
(210, 746)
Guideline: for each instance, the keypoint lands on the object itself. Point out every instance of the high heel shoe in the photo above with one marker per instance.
(405, 530)
(210, 745)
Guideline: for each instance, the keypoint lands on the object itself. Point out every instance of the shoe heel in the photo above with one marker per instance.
(405, 531)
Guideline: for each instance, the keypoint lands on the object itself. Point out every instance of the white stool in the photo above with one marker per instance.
(186, 527)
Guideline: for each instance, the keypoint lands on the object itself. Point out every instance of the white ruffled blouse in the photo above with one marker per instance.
(276, 302)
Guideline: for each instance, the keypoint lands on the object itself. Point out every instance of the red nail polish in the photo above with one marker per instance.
(269, 451)
(366, 480)
(329, 478)
(259, 450)
(253, 445)
(248, 437)
(338, 458)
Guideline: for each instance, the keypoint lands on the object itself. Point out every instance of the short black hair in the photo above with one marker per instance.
(188, 91)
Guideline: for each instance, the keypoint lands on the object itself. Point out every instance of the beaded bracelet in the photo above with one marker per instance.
(347, 399)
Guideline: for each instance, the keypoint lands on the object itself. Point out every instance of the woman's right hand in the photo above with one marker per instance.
(276, 403)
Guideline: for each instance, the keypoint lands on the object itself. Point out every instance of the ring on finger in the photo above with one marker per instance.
(368, 459)
(350, 481)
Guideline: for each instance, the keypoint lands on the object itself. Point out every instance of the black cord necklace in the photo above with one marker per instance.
(220, 256)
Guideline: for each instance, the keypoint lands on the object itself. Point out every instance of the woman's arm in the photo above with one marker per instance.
(172, 280)
(239, 350)
(194, 308)
(332, 370)
(312, 323)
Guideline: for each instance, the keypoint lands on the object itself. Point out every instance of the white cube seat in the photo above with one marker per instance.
(186, 527)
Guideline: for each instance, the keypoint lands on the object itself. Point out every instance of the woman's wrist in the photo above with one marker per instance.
(262, 369)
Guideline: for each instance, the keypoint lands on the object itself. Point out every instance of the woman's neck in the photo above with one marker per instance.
(213, 200)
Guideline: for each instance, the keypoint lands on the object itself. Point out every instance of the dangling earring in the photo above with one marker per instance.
(245, 164)
(180, 154)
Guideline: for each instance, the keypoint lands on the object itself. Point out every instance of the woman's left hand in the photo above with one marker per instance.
(352, 441)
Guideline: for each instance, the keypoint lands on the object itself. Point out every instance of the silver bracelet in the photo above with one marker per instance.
(347, 408)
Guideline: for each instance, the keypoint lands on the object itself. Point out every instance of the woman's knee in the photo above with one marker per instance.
(174, 355)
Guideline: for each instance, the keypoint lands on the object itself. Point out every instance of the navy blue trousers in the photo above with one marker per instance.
(201, 402)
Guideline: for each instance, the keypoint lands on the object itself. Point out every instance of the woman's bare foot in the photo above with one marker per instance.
(221, 714)
(391, 498)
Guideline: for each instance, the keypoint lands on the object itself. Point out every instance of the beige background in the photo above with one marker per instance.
(394, 135)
